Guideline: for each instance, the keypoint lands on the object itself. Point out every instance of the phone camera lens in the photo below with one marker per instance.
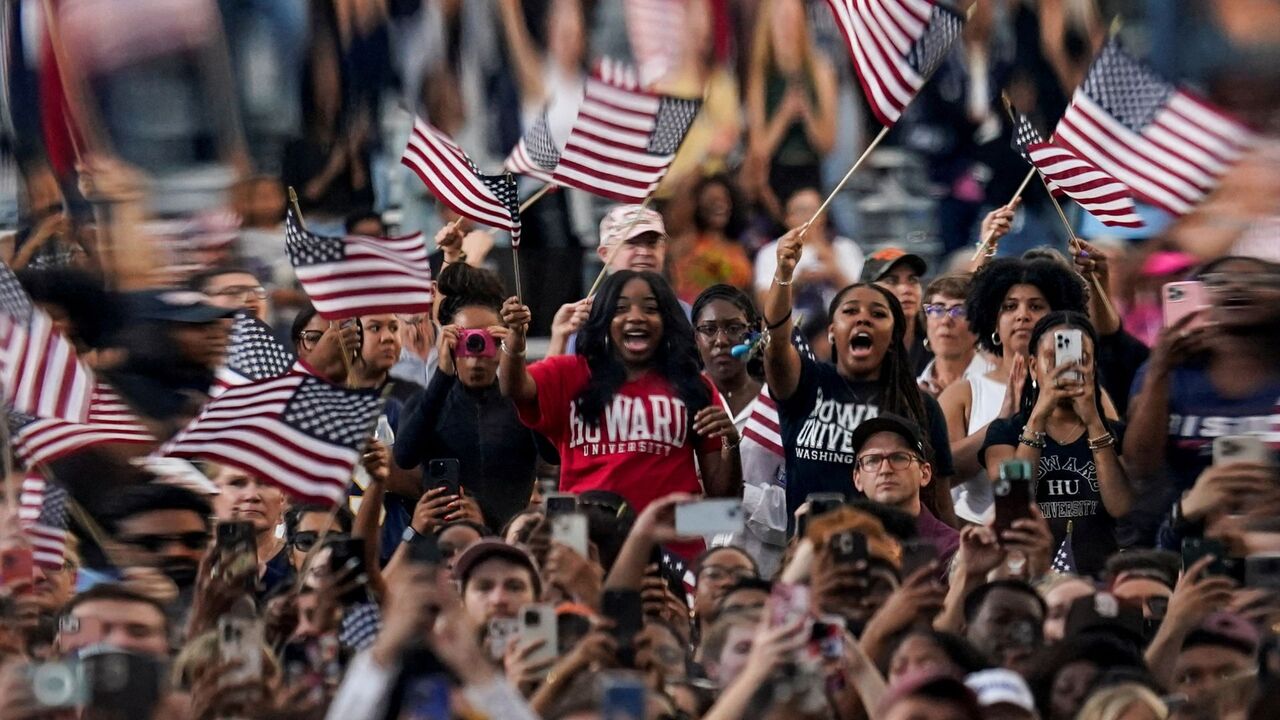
(532, 618)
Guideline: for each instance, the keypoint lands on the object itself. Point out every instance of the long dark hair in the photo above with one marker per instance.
(739, 299)
(1061, 287)
(676, 359)
(737, 222)
(900, 394)
(1055, 321)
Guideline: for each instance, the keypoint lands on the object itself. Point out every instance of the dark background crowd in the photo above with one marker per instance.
(776, 465)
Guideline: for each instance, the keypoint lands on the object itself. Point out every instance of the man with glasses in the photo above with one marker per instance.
(233, 288)
(891, 468)
(164, 527)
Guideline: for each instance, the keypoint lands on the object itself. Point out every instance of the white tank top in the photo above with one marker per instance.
(973, 497)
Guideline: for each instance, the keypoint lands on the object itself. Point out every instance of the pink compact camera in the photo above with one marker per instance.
(476, 343)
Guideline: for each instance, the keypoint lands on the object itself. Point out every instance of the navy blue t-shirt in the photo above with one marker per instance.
(817, 423)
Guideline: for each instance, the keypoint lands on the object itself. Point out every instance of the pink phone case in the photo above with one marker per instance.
(1181, 299)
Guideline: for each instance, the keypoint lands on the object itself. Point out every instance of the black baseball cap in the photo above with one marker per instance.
(889, 422)
(179, 306)
(883, 260)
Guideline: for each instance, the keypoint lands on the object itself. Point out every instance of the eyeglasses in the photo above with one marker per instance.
(897, 461)
(304, 540)
(720, 573)
(195, 540)
(244, 292)
(735, 332)
(937, 310)
(309, 338)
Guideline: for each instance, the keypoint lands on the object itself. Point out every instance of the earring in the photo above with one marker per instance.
(831, 339)
(995, 339)
(926, 344)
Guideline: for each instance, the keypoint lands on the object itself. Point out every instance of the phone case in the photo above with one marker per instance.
(1068, 347)
(240, 639)
(1241, 449)
(538, 622)
(1180, 299)
(709, 517)
(571, 530)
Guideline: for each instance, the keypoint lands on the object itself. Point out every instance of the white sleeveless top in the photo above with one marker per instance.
(973, 497)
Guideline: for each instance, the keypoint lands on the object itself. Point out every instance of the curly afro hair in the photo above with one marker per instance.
(1062, 288)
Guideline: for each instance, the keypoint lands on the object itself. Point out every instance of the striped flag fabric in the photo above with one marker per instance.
(656, 31)
(453, 178)
(1066, 173)
(356, 275)
(536, 155)
(896, 45)
(38, 441)
(253, 354)
(1167, 144)
(296, 431)
(623, 140)
(40, 373)
(42, 513)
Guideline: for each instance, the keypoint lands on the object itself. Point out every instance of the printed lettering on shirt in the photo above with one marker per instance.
(654, 425)
(826, 435)
(1195, 431)
(1063, 479)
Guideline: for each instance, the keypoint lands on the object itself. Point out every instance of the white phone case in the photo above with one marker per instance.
(538, 622)
(571, 529)
(709, 517)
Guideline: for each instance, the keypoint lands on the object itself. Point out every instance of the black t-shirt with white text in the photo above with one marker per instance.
(817, 423)
(1067, 491)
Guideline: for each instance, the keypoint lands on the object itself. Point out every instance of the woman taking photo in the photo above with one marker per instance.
(462, 414)
(820, 404)
(948, 337)
(1062, 430)
(630, 412)
(1008, 296)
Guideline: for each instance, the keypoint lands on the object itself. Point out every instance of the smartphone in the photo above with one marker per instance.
(916, 554)
(425, 549)
(127, 682)
(709, 517)
(571, 529)
(1013, 494)
(237, 552)
(790, 603)
(1241, 449)
(1181, 299)
(848, 547)
(446, 473)
(622, 697)
(346, 555)
(558, 503)
(817, 504)
(1262, 571)
(827, 637)
(1223, 565)
(624, 609)
(77, 632)
(501, 632)
(538, 622)
(240, 640)
(1068, 347)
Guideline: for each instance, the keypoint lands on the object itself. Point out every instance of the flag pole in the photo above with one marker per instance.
(840, 185)
(342, 345)
(617, 246)
(990, 237)
(546, 188)
(1072, 240)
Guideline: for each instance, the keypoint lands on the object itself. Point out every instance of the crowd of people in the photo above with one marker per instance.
(770, 468)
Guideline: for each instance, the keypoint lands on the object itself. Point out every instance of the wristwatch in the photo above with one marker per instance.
(408, 535)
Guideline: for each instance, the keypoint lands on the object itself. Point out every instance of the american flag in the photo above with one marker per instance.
(42, 513)
(1068, 174)
(536, 155)
(1168, 145)
(453, 178)
(296, 431)
(39, 371)
(355, 275)
(623, 140)
(656, 30)
(1064, 561)
(896, 45)
(42, 440)
(253, 354)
